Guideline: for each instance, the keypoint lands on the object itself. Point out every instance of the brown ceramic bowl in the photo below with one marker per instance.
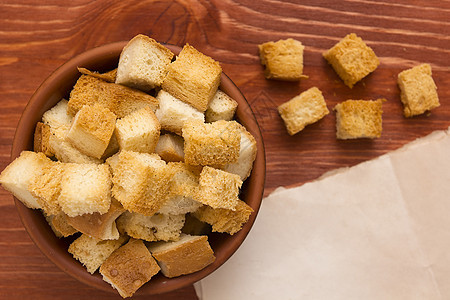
(58, 86)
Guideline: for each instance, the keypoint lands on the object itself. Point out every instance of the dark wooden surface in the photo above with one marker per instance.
(38, 36)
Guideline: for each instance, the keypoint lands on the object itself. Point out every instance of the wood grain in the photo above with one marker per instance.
(38, 36)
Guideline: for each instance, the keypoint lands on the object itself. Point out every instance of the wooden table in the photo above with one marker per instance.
(38, 36)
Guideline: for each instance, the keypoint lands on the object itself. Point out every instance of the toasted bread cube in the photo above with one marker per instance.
(352, 59)
(221, 107)
(85, 189)
(139, 131)
(16, 177)
(283, 60)
(173, 113)
(359, 119)
(57, 119)
(225, 220)
(418, 90)
(193, 78)
(66, 153)
(247, 155)
(183, 186)
(58, 223)
(158, 227)
(218, 189)
(170, 147)
(129, 267)
(92, 252)
(187, 255)
(99, 226)
(46, 188)
(143, 63)
(42, 139)
(141, 181)
(109, 76)
(214, 143)
(91, 130)
(119, 99)
(304, 109)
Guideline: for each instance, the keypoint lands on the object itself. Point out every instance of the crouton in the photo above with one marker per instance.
(99, 226)
(57, 119)
(151, 228)
(141, 181)
(46, 188)
(129, 267)
(247, 155)
(193, 78)
(85, 189)
(218, 189)
(143, 63)
(225, 220)
(214, 143)
(418, 90)
(173, 113)
(92, 252)
(138, 131)
(59, 225)
(65, 152)
(352, 59)
(359, 119)
(283, 60)
(42, 139)
(170, 147)
(17, 176)
(304, 109)
(187, 255)
(221, 107)
(91, 129)
(119, 99)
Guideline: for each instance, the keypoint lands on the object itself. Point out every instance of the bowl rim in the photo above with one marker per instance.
(40, 236)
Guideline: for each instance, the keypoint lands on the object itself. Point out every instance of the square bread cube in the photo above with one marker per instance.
(47, 187)
(129, 267)
(225, 220)
(187, 255)
(193, 78)
(141, 181)
(138, 131)
(359, 119)
(59, 225)
(418, 90)
(92, 252)
(221, 107)
(247, 155)
(42, 139)
(304, 109)
(218, 189)
(91, 130)
(352, 59)
(158, 227)
(283, 60)
(57, 119)
(17, 176)
(170, 147)
(214, 143)
(66, 153)
(119, 99)
(99, 226)
(85, 189)
(172, 113)
(143, 63)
